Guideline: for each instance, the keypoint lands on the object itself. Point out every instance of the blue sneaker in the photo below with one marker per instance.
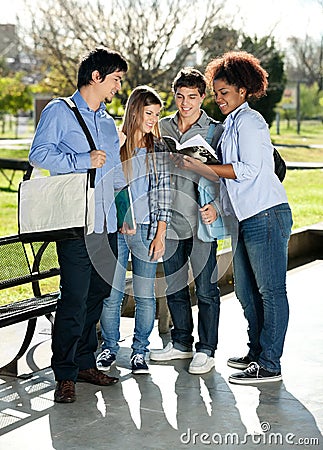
(105, 360)
(138, 364)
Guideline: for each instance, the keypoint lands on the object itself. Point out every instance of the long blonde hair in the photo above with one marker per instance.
(140, 97)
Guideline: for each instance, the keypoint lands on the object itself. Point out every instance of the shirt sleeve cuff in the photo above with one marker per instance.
(83, 161)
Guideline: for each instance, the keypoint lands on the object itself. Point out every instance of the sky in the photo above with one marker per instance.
(283, 18)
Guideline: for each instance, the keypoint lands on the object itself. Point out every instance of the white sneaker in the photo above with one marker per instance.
(168, 353)
(201, 363)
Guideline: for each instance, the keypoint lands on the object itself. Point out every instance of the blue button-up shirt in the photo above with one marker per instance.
(246, 145)
(60, 146)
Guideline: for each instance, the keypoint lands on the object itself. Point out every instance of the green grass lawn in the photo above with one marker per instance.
(19, 153)
(305, 195)
(311, 133)
(304, 189)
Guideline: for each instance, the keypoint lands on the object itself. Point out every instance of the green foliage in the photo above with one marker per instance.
(15, 95)
(272, 61)
(311, 103)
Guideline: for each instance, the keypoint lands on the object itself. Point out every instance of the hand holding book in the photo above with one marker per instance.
(196, 147)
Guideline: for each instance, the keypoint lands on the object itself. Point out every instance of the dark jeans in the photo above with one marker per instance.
(87, 267)
(202, 256)
(260, 265)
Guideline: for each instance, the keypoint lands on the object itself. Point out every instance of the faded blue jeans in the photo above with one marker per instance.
(202, 257)
(260, 266)
(143, 279)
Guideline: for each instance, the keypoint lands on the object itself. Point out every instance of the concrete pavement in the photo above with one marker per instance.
(169, 408)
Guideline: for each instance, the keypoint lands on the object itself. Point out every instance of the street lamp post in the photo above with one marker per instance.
(298, 107)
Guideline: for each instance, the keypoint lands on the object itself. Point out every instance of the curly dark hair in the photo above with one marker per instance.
(240, 69)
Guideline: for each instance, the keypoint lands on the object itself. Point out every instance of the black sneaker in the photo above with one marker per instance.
(138, 364)
(105, 360)
(239, 363)
(254, 374)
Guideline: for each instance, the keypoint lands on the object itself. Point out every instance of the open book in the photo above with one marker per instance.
(124, 205)
(196, 146)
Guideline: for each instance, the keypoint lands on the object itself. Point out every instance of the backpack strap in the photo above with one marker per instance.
(210, 133)
(213, 136)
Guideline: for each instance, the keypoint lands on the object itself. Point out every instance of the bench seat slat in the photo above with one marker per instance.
(29, 278)
(27, 309)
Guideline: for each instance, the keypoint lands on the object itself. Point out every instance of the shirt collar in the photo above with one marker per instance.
(235, 112)
(201, 122)
(81, 103)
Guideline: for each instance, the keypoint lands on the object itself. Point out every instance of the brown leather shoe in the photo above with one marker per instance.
(94, 376)
(65, 392)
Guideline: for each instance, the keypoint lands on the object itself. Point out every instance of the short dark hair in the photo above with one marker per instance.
(191, 78)
(103, 60)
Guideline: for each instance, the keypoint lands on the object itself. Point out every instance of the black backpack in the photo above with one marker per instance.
(280, 165)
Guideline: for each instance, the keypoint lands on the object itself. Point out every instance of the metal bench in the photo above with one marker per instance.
(23, 264)
(13, 165)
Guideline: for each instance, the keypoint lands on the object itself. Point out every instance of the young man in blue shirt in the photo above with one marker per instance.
(87, 264)
(182, 244)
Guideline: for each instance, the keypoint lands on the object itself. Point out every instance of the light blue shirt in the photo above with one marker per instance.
(246, 144)
(60, 146)
(139, 186)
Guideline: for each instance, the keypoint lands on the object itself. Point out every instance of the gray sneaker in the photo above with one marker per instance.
(169, 353)
(201, 363)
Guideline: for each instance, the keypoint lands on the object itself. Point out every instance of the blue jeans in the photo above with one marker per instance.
(143, 279)
(202, 256)
(260, 266)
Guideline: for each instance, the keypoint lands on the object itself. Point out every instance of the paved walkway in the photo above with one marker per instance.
(291, 165)
(171, 409)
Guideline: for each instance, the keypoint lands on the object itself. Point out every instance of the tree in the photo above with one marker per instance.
(305, 61)
(272, 61)
(311, 103)
(156, 37)
(15, 96)
(218, 41)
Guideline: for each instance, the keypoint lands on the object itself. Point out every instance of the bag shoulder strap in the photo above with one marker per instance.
(71, 104)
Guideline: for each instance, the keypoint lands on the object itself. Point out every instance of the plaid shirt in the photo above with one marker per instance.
(159, 188)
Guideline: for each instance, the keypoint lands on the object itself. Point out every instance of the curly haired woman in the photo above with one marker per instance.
(260, 204)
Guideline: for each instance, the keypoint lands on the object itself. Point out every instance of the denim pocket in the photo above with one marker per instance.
(284, 218)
